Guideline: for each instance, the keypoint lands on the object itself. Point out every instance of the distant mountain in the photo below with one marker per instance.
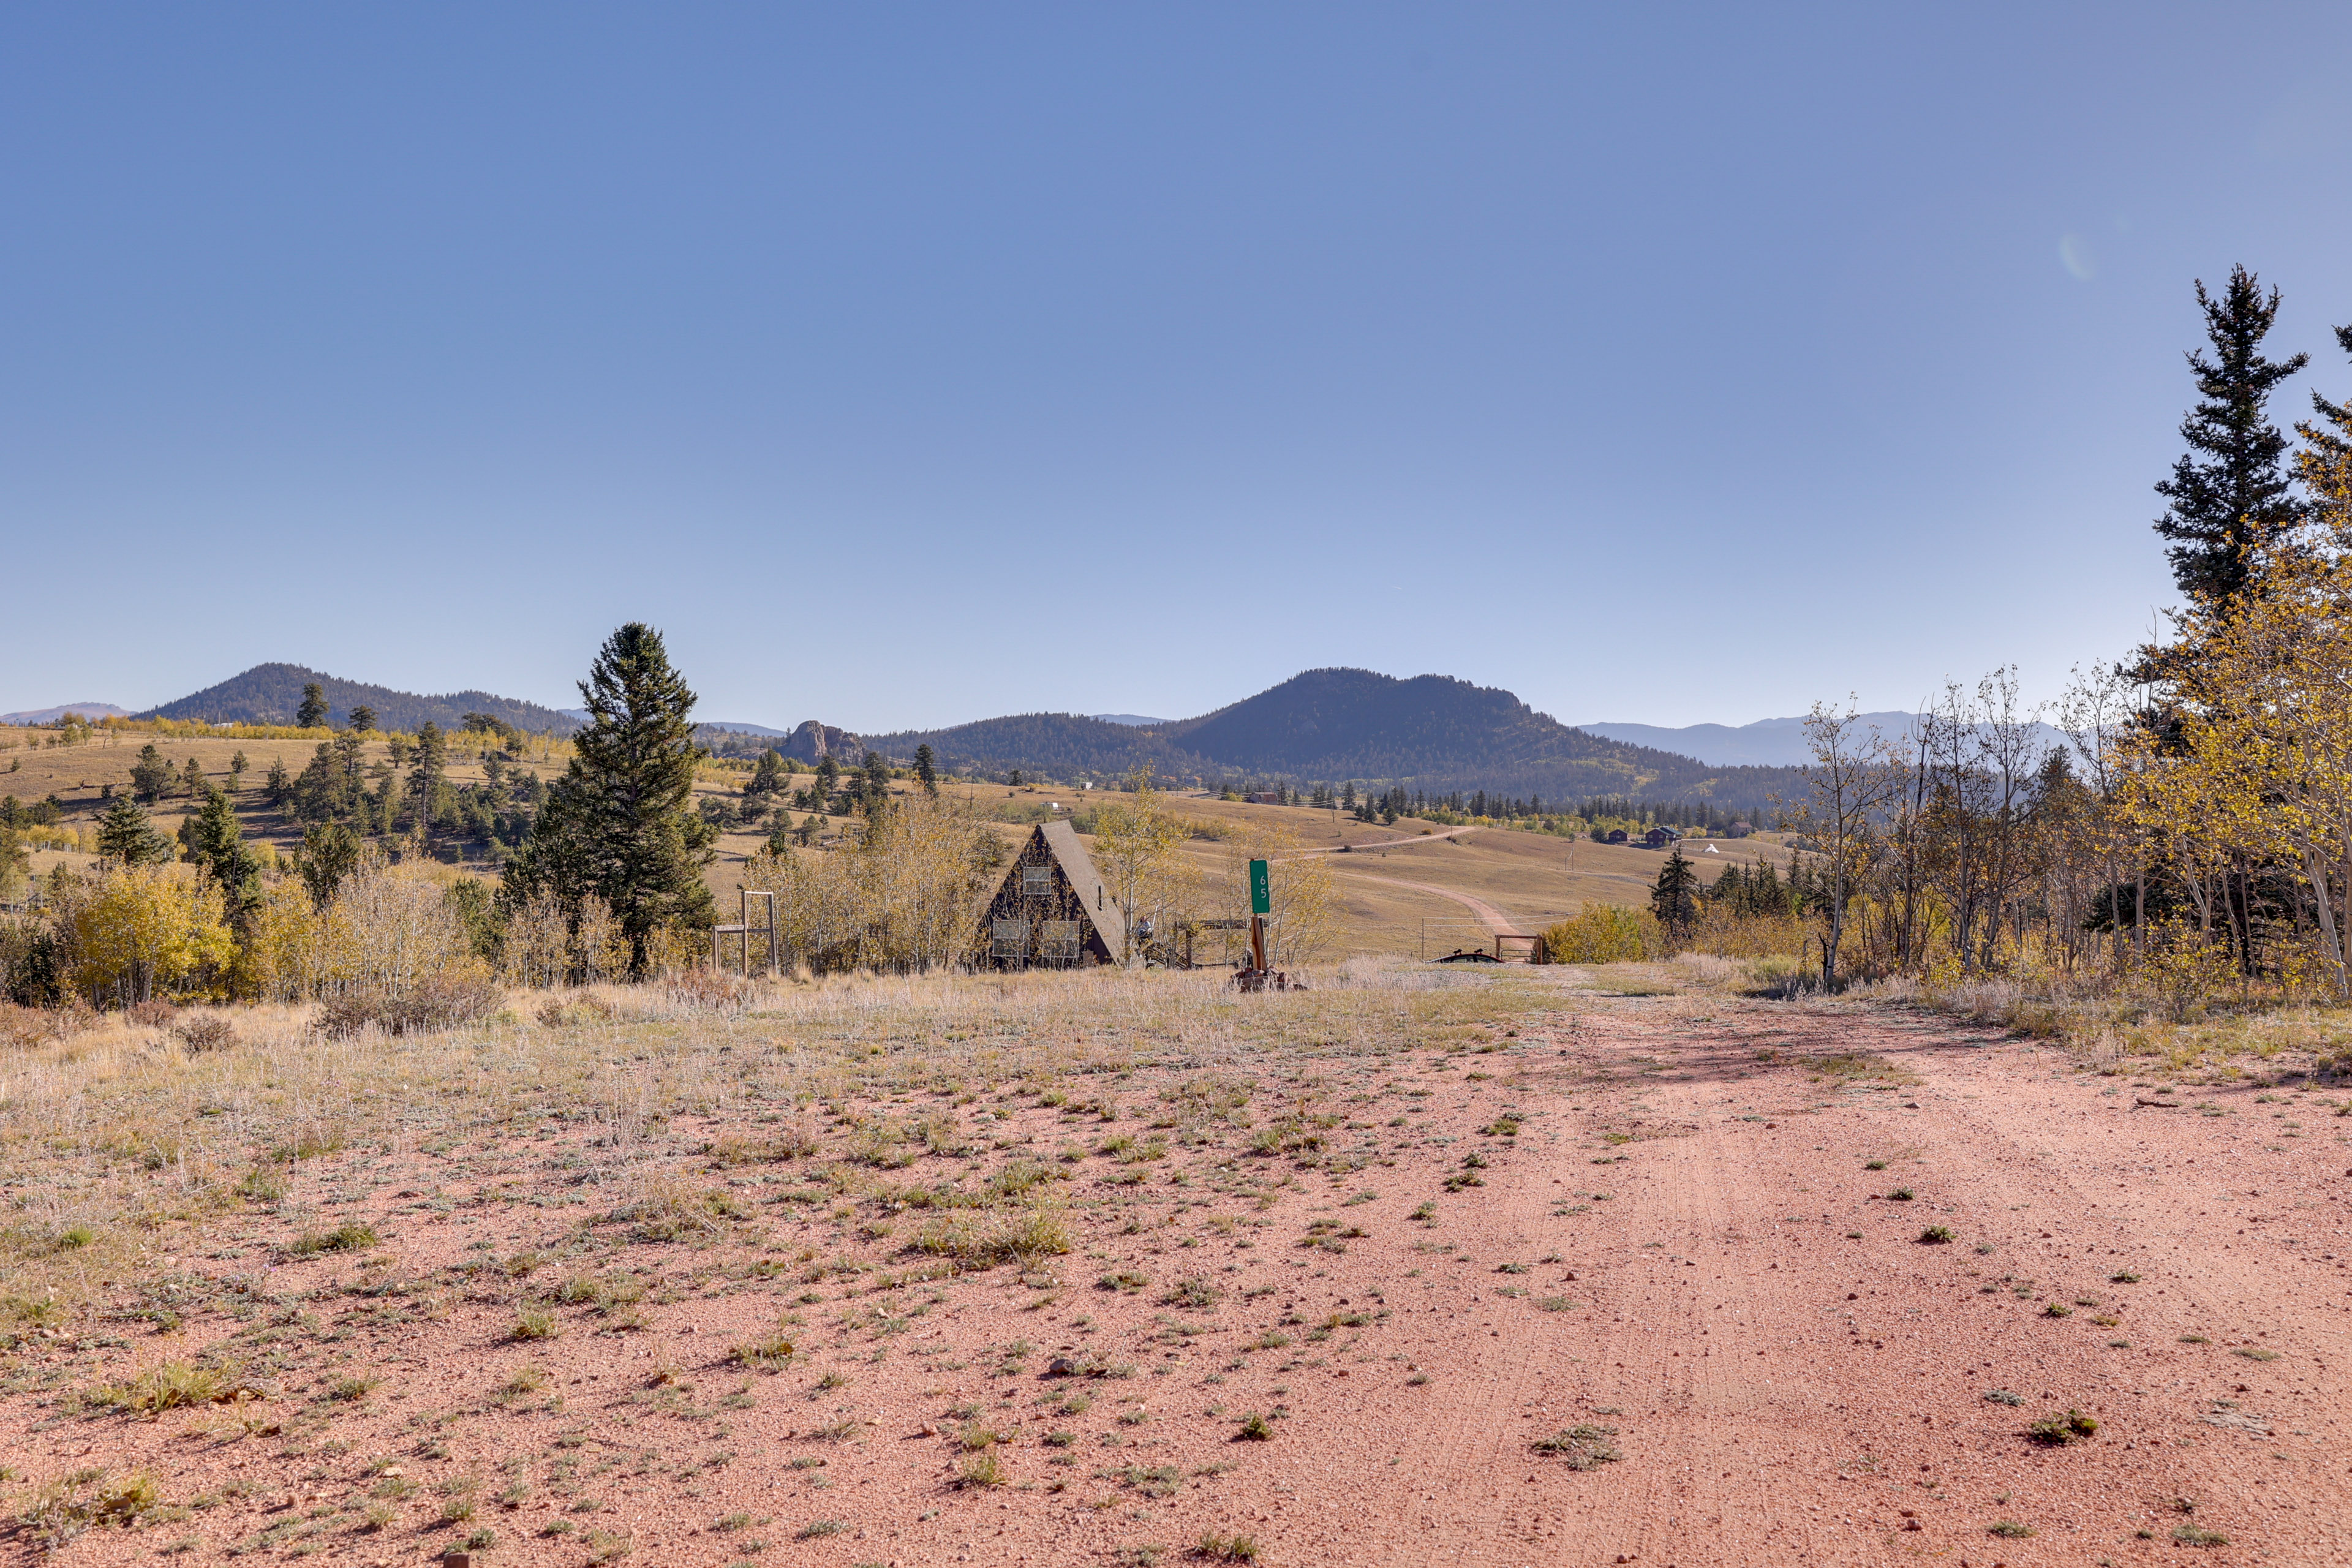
(1768, 742)
(51, 715)
(1430, 732)
(1061, 745)
(272, 694)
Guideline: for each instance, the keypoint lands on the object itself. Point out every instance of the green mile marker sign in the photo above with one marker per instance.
(1261, 898)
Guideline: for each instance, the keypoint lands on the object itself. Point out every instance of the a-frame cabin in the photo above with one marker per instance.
(1051, 911)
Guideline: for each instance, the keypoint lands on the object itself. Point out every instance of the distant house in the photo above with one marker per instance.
(1264, 797)
(1659, 837)
(1738, 830)
(1051, 910)
(1617, 836)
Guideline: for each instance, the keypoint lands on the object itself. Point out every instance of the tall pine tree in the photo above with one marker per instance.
(150, 775)
(213, 840)
(330, 852)
(313, 712)
(2228, 492)
(124, 833)
(620, 823)
(768, 778)
(426, 787)
(2324, 465)
(1675, 900)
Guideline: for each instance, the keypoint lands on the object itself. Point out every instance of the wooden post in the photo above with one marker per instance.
(1257, 941)
(775, 952)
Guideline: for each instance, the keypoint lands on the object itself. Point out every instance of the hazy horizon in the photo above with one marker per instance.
(1651, 734)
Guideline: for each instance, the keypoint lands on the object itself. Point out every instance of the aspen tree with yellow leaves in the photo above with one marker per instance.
(133, 933)
(898, 894)
(1138, 848)
(2258, 765)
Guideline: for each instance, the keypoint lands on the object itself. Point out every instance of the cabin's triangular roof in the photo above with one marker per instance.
(1062, 843)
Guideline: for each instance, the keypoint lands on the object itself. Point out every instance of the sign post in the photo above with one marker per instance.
(1261, 905)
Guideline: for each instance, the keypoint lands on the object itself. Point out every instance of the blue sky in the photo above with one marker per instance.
(911, 364)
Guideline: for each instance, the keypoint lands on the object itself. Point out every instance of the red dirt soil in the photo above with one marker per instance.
(1661, 1248)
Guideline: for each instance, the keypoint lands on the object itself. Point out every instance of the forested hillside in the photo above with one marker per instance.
(271, 694)
(1436, 733)
(1059, 745)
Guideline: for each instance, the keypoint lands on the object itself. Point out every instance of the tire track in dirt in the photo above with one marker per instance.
(1469, 1508)
(1655, 1348)
(1688, 1327)
(1793, 1393)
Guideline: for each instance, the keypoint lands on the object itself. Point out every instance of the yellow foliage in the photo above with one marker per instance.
(388, 929)
(134, 932)
(537, 949)
(2183, 972)
(282, 943)
(1604, 934)
(902, 896)
(1136, 840)
(546, 945)
(2263, 766)
(1728, 935)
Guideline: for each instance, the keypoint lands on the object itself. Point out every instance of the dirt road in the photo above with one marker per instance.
(1392, 843)
(1495, 919)
(1795, 1376)
(1330, 1295)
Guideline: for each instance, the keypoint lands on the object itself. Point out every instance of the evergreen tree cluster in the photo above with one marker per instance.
(287, 693)
(1674, 899)
(408, 794)
(46, 812)
(1758, 890)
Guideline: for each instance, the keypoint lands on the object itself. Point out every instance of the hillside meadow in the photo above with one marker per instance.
(1535, 879)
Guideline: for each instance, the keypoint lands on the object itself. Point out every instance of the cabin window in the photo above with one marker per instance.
(1058, 942)
(1008, 938)
(1037, 881)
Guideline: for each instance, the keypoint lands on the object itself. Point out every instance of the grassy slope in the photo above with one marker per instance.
(1535, 877)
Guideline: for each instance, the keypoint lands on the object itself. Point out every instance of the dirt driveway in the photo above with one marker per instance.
(1609, 1280)
(1795, 1376)
(1494, 919)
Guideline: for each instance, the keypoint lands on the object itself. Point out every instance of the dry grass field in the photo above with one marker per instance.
(1422, 1264)
(1532, 878)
